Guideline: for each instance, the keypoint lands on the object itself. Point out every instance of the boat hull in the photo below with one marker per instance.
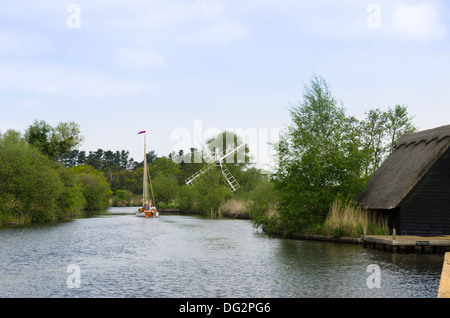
(147, 213)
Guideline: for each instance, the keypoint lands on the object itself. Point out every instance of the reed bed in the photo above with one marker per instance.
(350, 219)
(234, 208)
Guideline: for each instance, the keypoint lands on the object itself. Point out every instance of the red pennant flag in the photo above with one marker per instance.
(141, 132)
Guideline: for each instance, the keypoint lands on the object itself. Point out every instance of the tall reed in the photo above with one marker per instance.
(350, 219)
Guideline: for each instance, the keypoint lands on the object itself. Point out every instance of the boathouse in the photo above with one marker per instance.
(412, 186)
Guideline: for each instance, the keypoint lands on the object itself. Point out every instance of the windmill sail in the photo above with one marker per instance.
(234, 185)
(231, 180)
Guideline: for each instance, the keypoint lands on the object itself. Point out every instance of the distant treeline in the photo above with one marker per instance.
(44, 177)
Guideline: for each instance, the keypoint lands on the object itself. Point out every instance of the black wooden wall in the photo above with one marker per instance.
(426, 209)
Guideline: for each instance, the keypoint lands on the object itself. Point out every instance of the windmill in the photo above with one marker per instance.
(217, 161)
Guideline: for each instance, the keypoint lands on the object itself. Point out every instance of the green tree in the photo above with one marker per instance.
(373, 138)
(165, 188)
(186, 198)
(30, 186)
(210, 192)
(398, 123)
(319, 158)
(262, 202)
(164, 166)
(54, 142)
(380, 131)
(64, 138)
(95, 188)
(71, 200)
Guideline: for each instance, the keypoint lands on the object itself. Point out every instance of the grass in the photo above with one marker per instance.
(349, 219)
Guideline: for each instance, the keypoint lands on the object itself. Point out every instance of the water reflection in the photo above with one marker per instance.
(120, 255)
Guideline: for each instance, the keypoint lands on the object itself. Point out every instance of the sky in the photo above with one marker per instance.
(188, 69)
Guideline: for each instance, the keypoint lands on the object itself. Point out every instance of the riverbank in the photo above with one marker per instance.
(221, 214)
(328, 238)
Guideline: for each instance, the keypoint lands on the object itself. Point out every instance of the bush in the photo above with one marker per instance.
(165, 188)
(185, 198)
(210, 193)
(262, 202)
(30, 186)
(96, 191)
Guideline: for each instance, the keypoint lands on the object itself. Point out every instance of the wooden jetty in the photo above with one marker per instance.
(408, 243)
(170, 211)
(444, 285)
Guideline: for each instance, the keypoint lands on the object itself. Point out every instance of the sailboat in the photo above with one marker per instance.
(148, 208)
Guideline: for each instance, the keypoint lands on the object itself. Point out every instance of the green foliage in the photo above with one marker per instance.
(262, 204)
(380, 131)
(71, 200)
(53, 142)
(186, 198)
(209, 192)
(95, 188)
(326, 155)
(126, 198)
(212, 192)
(319, 158)
(30, 186)
(165, 188)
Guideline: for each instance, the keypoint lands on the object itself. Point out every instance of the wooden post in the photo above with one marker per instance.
(393, 234)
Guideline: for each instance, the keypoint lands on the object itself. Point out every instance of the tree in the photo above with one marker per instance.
(95, 188)
(380, 131)
(30, 186)
(165, 188)
(209, 192)
(398, 123)
(38, 135)
(54, 142)
(373, 133)
(64, 138)
(319, 158)
(164, 166)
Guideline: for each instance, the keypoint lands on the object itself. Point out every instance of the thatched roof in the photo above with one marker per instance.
(413, 156)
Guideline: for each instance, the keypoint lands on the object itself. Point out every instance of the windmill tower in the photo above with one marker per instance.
(217, 161)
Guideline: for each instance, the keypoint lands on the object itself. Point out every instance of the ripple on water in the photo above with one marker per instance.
(120, 255)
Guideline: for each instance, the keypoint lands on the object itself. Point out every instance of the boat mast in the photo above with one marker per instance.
(145, 171)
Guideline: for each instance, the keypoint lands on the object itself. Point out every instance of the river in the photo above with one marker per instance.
(115, 254)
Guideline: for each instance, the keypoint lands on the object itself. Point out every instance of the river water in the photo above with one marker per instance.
(115, 254)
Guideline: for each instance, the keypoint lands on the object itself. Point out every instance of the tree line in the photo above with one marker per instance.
(51, 179)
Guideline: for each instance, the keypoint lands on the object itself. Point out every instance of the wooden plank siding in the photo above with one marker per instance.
(426, 208)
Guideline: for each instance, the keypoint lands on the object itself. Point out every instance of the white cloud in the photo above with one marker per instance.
(419, 21)
(138, 59)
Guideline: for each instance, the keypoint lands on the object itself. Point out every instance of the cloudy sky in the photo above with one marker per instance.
(181, 68)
